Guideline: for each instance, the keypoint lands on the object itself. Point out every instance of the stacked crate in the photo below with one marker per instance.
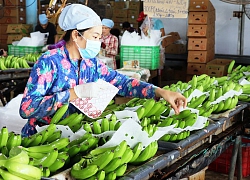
(201, 36)
(125, 11)
(14, 11)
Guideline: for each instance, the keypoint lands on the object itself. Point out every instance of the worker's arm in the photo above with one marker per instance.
(163, 34)
(56, 38)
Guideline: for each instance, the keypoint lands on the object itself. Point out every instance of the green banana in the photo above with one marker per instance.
(120, 149)
(110, 176)
(191, 120)
(199, 100)
(80, 139)
(104, 125)
(117, 125)
(46, 172)
(56, 135)
(89, 143)
(166, 137)
(219, 92)
(220, 106)
(180, 136)
(227, 104)
(175, 122)
(36, 141)
(12, 142)
(127, 156)
(4, 135)
(166, 122)
(230, 67)
(96, 127)
(76, 120)
(5, 151)
(87, 127)
(21, 170)
(144, 155)
(103, 159)
(59, 144)
(49, 131)
(194, 81)
(7, 175)
(48, 159)
(58, 164)
(120, 171)
(83, 173)
(154, 109)
(113, 164)
(140, 112)
(66, 120)
(136, 151)
(211, 97)
(73, 150)
(18, 155)
(208, 111)
(36, 155)
(173, 137)
(182, 124)
(132, 101)
(59, 114)
(183, 114)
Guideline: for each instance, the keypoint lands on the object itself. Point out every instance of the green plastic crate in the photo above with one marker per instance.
(148, 56)
(23, 50)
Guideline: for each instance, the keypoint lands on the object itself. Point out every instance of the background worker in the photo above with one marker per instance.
(3, 53)
(126, 26)
(64, 74)
(45, 26)
(110, 43)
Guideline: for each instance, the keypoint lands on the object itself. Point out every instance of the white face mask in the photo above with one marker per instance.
(91, 50)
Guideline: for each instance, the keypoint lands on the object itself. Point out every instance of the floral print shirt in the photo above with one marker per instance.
(55, 73)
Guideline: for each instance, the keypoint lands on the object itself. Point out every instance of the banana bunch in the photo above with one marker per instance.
(2, 65)
(151, 108)
(175, 137)
(8, 140)
(226, 104)
(47, 135)
(32, 57)
(182, 120)
(17, 166)
(12, 61)
(103, 125)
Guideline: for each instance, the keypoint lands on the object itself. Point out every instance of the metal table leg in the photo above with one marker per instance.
(237, 145)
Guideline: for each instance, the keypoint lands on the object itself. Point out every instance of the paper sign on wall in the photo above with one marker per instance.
(166, 8)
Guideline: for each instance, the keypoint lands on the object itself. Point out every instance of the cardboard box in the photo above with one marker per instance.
(12, 20)
(201, 56)
(201, 30)
(3, 28)
(59, 30)
(171, 39)
(217, 67)
(133, 14)
(119, 19)
(133, 5)
(119, 5)
(197, 176)
(176, 49)
(14, 3)
(14, 37)
(196, 68)
(14, 11)
(200, 5)
(123, 13)
(19, 28)
(201, 44)
(201, 17)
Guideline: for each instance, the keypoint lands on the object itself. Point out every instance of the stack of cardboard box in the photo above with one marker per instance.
(125, 11)
(201, 36)
(16, 32)
(14, 11)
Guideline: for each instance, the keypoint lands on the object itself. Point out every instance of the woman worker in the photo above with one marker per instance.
(63, 74)
(110, 42)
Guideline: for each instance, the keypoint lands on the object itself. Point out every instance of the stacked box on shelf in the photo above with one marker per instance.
(201, 36)
(125, 11)
(16, 32)
(14, 11)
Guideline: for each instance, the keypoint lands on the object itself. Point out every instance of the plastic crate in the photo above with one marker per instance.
(148, 56)
(23, 50)
(222, 163)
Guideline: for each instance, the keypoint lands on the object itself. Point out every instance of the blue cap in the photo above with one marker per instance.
(78, 16)
(43, 19)
(108, 22)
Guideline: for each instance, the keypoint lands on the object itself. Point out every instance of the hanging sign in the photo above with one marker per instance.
(166, 8)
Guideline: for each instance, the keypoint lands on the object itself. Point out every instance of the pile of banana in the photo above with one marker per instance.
(110, 163)
(17, 166)
(12, 61)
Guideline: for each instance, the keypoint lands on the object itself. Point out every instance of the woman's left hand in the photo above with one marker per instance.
(175, 99)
